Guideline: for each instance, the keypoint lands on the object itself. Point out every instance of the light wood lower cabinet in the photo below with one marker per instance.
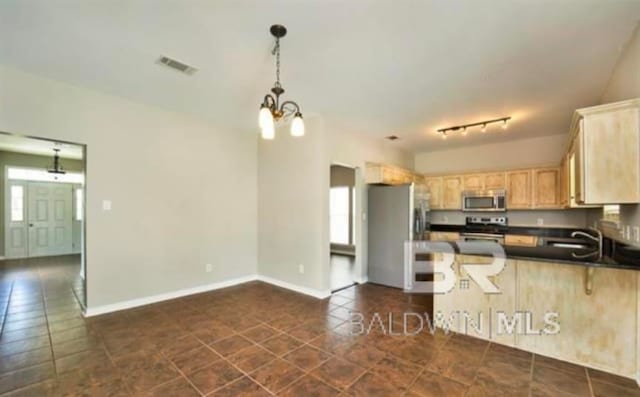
(596, 330)
(519, 189)
(444, 236)
(521, 240)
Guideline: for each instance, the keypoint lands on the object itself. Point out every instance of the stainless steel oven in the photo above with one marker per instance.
(484, 200)
(496, 238)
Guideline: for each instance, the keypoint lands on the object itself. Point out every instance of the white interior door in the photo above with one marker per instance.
(50, 218)
(16, 238)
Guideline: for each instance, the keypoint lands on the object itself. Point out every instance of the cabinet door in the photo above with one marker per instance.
(473, 182)
(452, 192)
(577, 176)
(610, 154)
(564, 183)
(546, 188)
(494, 181)
(434, 187)
(519, 189)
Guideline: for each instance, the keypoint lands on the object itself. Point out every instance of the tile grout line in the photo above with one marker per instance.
(6, 309)
(46, 317)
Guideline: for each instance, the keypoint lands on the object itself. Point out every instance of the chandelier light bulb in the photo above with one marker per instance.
(264, 117)
(484, 128)
(268, 132)
(444, 135)
(297, 125)
(464, 131)
(505, 125)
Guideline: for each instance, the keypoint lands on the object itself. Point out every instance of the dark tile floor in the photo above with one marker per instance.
(257, 340)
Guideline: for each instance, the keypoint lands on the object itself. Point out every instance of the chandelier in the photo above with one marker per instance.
(271, 109)
(57, 167)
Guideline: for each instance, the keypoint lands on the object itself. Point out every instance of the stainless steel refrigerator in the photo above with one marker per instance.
(395, 214)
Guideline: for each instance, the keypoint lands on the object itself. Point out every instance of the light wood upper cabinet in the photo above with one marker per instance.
(473, 182)
(564, 183)
(606, 153)
(383, 174)
(434, 187)
(519, 189)
(452, 192)
(494, 181)
(546, 188)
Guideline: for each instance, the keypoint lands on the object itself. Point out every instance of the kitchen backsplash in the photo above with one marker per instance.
(570, 217)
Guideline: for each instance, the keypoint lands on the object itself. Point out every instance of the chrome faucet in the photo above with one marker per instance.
(597, 238)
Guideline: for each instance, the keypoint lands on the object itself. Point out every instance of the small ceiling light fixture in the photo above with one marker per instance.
(465, 127)
(271, 110)
(57, 167)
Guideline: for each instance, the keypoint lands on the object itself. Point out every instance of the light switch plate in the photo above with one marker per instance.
(106, 205)
(540, 221)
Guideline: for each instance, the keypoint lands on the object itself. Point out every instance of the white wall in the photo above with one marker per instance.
(183, 191)
(294, 195)
(625, 79)
(546, 150)
(293, 205)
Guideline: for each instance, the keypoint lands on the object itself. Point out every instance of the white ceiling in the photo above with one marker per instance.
(376, 67)
(19, 144)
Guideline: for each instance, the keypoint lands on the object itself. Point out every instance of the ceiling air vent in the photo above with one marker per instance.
(177, 65)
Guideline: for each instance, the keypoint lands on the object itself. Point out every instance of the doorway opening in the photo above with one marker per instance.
(342, 230)
(42, 227)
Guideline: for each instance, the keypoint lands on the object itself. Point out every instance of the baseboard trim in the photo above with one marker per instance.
(362, 280)
(114, 307)
(147, 300)
(296, 288)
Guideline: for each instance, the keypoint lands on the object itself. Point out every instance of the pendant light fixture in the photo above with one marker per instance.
(57, 167)
(271, 109)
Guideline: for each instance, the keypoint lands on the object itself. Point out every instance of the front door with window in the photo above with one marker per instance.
(50, 223)
(39, 219)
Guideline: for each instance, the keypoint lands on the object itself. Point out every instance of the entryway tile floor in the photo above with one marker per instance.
(255, 340)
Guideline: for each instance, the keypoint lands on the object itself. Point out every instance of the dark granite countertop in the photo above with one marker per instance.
(615, 254)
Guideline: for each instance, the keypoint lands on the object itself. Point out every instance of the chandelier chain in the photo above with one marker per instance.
(276, 51)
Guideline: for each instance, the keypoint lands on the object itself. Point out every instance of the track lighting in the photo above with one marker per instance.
(464, 128)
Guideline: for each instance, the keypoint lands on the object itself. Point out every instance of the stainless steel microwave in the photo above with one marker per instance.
(484, 201)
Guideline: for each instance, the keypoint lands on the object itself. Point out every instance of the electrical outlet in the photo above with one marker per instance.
(208, 267)
(445, 218)
(106, 205)
(301, 268)
(540, 221)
